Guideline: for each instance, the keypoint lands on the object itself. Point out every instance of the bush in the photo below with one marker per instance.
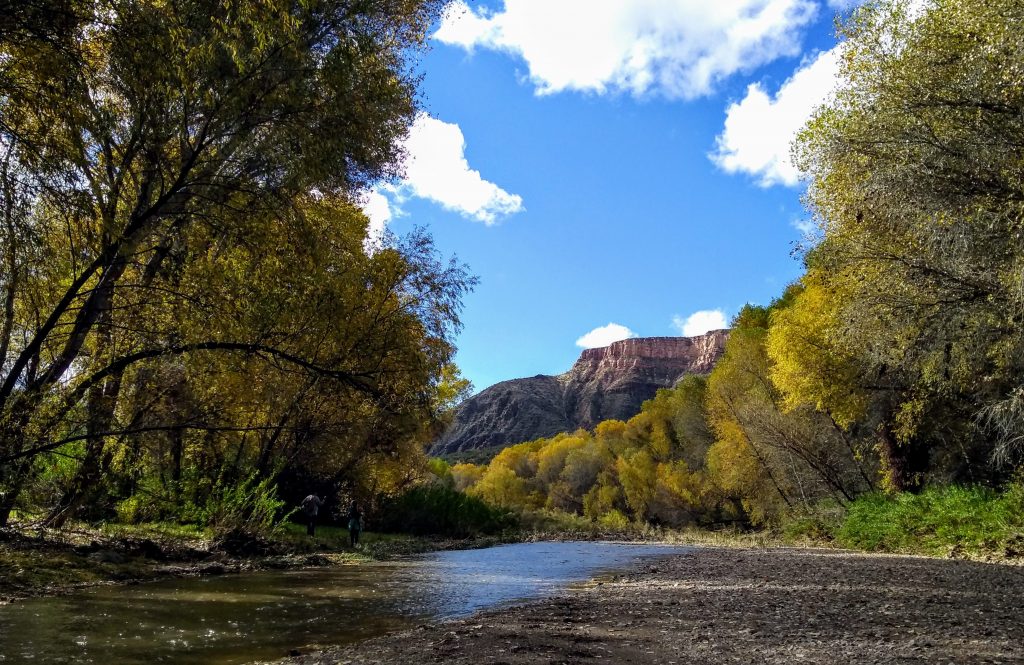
(136, 509)
(440, 510)
(239, 514)
(816, 526)
(614, 519)
(954, 519)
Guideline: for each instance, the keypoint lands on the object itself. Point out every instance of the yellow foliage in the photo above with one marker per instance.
(500, 486)
(520, 458)
(466, 475)
(675, 480)
(613, 519)
(610, 429)
(551, 457)
(808, 365)
(731, 466)
(602, 498)
(638, 475)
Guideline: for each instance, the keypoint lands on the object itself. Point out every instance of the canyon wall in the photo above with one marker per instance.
(604, 383)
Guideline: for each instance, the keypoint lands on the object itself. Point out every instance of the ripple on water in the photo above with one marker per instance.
(235, 619)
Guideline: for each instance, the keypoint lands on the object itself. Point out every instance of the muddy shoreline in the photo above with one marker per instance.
(740, 606)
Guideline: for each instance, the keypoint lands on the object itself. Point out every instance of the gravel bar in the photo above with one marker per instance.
(740, 606)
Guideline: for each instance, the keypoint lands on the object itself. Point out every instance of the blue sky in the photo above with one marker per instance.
(609, 162)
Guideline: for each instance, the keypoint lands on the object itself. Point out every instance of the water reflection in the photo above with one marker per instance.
(238, 618)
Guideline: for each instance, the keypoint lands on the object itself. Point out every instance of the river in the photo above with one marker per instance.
(240, 618)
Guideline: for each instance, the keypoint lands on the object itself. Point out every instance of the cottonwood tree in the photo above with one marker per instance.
(773, 456)
(156, 158)
(916, 179)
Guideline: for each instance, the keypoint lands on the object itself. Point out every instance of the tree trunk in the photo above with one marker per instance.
(18, 474)
(100, 405)
(903, 464)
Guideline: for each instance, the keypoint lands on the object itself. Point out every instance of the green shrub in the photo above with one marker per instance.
(816, 526)
(136, 509)
(439, 510)
(238, 513)
(614, 519)
(550, 521)
(953, 519)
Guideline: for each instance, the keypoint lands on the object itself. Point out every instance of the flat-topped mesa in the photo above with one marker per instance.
(605, 383)
(615, 380)
(699, 352)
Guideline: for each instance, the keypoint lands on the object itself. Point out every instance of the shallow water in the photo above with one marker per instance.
(240, 618)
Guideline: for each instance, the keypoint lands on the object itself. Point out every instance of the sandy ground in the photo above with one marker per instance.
(741, 606)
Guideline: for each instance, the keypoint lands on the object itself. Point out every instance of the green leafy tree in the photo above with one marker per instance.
(799, 454)
(915, 178)
(162, 155)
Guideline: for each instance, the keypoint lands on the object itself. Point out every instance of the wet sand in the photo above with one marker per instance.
(740, 606)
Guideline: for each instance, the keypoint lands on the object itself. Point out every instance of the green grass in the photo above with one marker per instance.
(439, 510)
(967, 521)
(156, 531)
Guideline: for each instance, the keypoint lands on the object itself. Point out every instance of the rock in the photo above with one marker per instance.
(611, 382)
(1014, 546)
(87, 549)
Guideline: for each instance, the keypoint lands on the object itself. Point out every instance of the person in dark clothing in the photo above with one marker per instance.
(355, 523)
(310, 507)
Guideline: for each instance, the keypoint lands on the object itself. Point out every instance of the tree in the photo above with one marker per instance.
(800, 456)
(915, 178)
(160, 155)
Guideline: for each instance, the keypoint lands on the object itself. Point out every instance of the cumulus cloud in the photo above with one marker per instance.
(760, 128)
(604, 336)
(700, 322)
(675, 48)
(436, 169)
(378, 210)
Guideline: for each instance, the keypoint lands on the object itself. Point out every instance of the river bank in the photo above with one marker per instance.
(38, 562)
(41, 563)
(776, 605)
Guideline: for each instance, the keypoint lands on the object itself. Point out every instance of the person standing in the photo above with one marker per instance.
(311, 507)
(355, 523)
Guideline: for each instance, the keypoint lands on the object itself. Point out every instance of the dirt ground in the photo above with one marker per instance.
(741, 606)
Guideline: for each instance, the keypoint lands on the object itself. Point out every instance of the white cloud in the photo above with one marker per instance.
(700, 322)
(378, 210)
(760, 129)
(604, 336)
(436, 169)
(843, 5)
(676, 48)
(806, 227)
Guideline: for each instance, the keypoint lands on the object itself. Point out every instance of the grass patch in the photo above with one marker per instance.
(158, 531)
(817, 526)
(440, 510)
(965, 521)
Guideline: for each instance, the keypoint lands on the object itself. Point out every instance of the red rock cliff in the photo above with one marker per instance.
(696, 354)
(609, 382)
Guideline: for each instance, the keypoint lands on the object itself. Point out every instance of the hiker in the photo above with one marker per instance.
(355, 523)
(311, 506)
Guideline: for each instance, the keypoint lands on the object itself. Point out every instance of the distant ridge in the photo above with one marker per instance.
(604, 383)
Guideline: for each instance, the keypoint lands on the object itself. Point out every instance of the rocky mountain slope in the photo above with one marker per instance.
(609, 382)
